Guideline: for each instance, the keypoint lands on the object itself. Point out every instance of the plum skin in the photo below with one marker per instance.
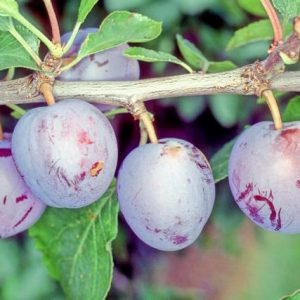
(106, 65)
(264, 176)
(19, 208)
(166, 193)
(67, 153)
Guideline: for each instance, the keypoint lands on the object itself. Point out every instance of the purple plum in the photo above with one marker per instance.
(107, 65)
(19, 208)
(67, 153)
(166, 193)
(264, 175)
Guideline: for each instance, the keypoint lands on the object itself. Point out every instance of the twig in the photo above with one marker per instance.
(278, 36)
(53, 21)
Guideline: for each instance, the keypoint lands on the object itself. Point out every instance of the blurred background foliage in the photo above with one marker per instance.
(233, 259)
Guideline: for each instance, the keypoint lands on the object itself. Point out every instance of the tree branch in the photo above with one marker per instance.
(125, 93)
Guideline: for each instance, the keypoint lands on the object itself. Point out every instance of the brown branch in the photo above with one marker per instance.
(53, 22)
(278, 36)
(125, 93)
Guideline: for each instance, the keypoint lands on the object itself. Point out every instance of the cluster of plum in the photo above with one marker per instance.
(65, 155)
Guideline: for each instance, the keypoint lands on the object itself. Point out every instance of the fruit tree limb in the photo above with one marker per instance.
(125, 93)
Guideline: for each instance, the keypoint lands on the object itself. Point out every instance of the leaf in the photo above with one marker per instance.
(294, 296)
(253, 7)
(112, 5)
(118, 28)
(5, 23)
(226, 108)
(191, 53)
(219, 162)
(257, 31)
(287, 8)
(76, 244)
(148, 55)
(12, 53)
(292, 111)
(84, 9)
(221, 66)
(189, 108)
(9, 7)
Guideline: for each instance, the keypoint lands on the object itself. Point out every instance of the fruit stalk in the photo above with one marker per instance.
(47, 91)
(273, 106)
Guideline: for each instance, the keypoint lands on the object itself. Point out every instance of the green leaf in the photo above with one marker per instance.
(257, 31)
(148, 55)
(219, 162)
(292, 111)
(191, 53)
(76, 244)
(84, 9)
(221, 66)
(226, 108)
(112, 5)
(294, 296)
(12, 53)
(118, 28)
(5, 23)
(189, 108)
(287, 8)
(9, 7)
(253, 7)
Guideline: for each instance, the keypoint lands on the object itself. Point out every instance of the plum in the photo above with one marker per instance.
(19, 208)
(110, 64)
(66, 152)
(264, 175)
(166, 193)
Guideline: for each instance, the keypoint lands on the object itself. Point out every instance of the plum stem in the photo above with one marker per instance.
(143, 134)
(53, 22)
(139, 111)
(47, 91)
(278, 36)
(273, 106)
(148, 123)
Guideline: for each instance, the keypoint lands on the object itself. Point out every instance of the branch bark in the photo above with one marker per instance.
(126, 93)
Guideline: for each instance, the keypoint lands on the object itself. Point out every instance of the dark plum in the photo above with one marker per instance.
(19, 208)
(66, 152)
(264, 175)
(166, 193)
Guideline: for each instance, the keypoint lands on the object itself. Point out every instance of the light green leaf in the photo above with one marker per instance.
(221, 66)
(148, 55)
(191, 53)
(12, 53)
(5, 23)
(9, 7)
(118, 28)
(292, 111)
(219, 162)
(257, 31)
(189, 108)
(84, 9)
(294, 296)
(194, 7)
(226, 108)
(253, 7)
(76, 244)
(112, 5)
(287, 8)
